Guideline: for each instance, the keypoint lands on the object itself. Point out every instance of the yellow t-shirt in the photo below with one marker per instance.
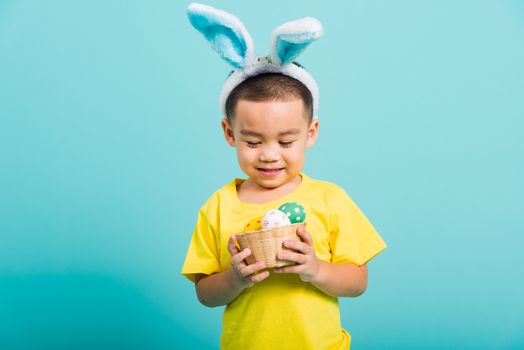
(283, 312)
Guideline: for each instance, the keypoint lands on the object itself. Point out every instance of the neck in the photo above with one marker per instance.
(250, 192)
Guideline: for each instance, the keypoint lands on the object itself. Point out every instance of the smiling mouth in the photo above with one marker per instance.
(269, 172)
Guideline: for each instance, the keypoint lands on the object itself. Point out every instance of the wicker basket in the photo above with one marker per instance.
(265, 244)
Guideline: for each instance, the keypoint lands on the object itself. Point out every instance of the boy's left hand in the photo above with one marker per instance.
(308, 264)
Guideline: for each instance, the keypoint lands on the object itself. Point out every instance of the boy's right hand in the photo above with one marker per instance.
(242, 274)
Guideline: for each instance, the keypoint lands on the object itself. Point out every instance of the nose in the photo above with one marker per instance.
(269, 153)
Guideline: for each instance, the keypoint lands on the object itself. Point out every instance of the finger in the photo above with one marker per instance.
(290, 256)
(288, 269)
(239, 257)
(305, 236)
(259, 277)
(298, 246)
(251, 269)
(231, 245)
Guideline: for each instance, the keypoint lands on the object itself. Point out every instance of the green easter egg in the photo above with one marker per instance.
(294, 211)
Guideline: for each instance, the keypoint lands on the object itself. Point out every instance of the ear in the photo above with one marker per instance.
(290, 39)
(228, 132)
(312, 133)
(226, 34)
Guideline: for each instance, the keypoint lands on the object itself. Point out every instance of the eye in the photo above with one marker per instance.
(286, 144)
(252, 144)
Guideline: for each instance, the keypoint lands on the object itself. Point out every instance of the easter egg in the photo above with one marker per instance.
(274, 218)
(294, 211)
(254, 224)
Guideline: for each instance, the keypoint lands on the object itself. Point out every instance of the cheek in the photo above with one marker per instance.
(295, 155)
(246, 155)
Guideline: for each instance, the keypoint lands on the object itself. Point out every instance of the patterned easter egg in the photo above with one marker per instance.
(254, 225)
(294, 211)
(274, 218)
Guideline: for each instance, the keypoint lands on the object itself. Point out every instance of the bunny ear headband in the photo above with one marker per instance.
(230, 39)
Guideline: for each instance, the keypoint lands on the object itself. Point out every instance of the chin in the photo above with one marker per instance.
(270, 185)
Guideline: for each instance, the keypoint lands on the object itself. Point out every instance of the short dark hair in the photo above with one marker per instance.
(269, 87)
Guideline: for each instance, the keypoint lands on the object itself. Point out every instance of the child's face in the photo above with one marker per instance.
(271, 138)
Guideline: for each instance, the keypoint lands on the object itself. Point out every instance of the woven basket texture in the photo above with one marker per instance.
(265, 244)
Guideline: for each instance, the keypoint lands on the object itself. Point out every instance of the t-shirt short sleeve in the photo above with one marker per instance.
(203, 252)
(352, 238)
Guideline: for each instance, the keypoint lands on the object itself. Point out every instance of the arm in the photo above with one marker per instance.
(342, 279)
(222, 288)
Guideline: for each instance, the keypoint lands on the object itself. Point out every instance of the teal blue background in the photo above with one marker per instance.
(110, 141)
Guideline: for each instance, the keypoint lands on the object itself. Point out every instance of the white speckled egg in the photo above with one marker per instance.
(274, 218)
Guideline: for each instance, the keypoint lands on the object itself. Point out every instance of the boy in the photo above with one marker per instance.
(270, 120)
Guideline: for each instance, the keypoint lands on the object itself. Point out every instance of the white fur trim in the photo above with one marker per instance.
(231, 21)
(290, 70)
(307, 27)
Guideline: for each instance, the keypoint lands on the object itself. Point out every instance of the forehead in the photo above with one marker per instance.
(270, 117)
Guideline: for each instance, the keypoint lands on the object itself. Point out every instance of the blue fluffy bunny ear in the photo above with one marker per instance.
(226, 34)
(290, 39)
